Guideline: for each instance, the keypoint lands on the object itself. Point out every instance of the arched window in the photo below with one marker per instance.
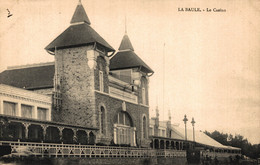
(124, 132)
(144, 127)
(123, 118)
(102, 120)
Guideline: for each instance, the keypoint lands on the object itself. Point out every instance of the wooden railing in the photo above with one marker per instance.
(220, 155)
(171, 153)
(70, 150)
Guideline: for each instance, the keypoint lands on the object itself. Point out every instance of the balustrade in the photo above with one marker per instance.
(69, 150)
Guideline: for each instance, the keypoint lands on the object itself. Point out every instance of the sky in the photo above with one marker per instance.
(212, 59)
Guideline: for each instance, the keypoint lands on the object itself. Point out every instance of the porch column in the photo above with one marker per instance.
(119, 135)
(153, 143)
(1, 106)
(26, 125)
(115, 136)
(87, 133)
(75, 135)
(44, 128)
(60, 129)
(134, 136)
(164, 147)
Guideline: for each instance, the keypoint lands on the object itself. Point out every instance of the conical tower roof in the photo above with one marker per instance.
(79, 33)
(80, 15)
(126, 58)
(126, 44)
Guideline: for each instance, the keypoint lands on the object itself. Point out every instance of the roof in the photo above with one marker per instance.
(80, 15)
(126, 44)
(200, 137)
(128, 59)
(29, 77)
(78, 34)
(34, 76)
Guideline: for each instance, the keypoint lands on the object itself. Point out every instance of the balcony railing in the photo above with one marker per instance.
(117, 93)
(67, 150)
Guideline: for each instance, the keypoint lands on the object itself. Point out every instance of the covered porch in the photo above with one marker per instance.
(169, 143)
(29, 130)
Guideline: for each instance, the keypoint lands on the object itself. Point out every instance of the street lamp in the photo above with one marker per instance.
(193, 122)
(185, 121)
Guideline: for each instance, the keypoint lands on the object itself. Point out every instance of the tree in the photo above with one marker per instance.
(252, 151)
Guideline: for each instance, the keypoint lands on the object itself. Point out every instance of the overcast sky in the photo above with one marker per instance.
(212, 59)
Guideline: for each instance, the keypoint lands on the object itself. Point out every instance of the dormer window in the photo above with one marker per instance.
(101, 81)
(124, 75)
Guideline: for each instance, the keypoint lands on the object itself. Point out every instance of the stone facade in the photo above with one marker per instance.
(76, 83)
(84, 94)
(113, 106)
(79, 84)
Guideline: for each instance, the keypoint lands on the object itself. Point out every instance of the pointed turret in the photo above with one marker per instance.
(126, 44)
(126, 58)
(79, 33)
(80, 15)
(81, 56)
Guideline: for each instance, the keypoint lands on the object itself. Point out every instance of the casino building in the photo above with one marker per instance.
(90, 95)
(88, 86)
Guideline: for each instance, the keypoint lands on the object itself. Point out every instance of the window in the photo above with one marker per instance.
(124, 132)
(124, 75)
(160, 132)
(102, 118)
(163, 133)
(101, 81)
(42, 113)
(123, 119)
(9, 108)
(144, 127)
(143, 96)
(151, 131)
(26, 111)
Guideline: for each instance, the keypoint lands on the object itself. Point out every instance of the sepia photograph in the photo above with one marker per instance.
(133, 82)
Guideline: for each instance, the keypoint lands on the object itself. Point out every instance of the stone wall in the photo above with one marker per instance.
(105, 161)
(77, 87)
(113, 106)
(99, 161)
(79, 83)
(173, 161)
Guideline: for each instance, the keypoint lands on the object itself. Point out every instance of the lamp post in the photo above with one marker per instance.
(185, 122)
(193, 123)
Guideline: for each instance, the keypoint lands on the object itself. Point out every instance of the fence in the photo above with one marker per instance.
(70, 150)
